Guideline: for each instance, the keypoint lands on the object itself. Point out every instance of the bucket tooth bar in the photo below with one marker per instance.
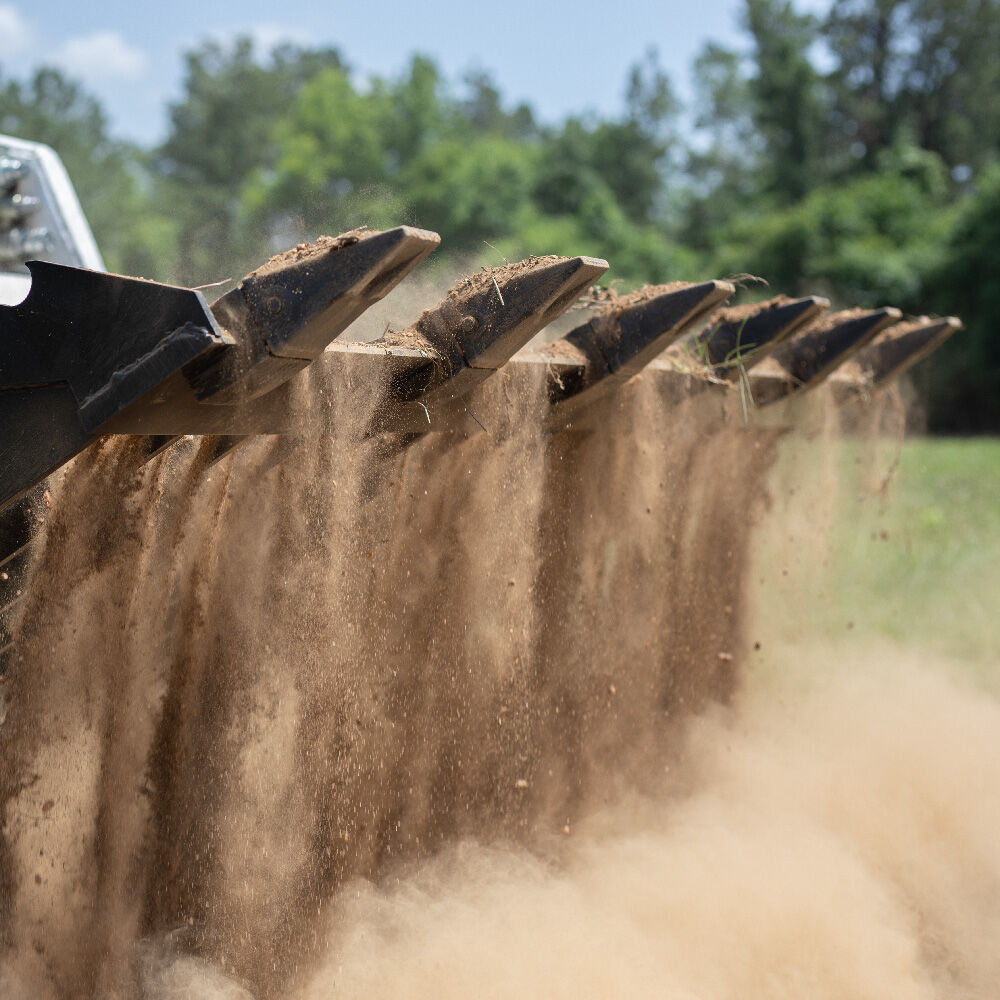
(484, 320)
(903, 346)
(741, 338)
(623, 338)
(284, 314)
(88, 353)
(323, 288)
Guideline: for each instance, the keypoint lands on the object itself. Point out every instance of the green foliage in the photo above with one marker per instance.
(963, 383)
(919, 67)
(479, 190)
(887, 560)
(787, 106)
(867, 241)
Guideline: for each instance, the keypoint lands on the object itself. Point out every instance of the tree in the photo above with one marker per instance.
(865, 37)
(723, 165)
(222, 133)
(920, 68)
(788, 106)
(963, 383)
(866, 241)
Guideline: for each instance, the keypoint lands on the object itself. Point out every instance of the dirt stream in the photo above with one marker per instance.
(462, 720)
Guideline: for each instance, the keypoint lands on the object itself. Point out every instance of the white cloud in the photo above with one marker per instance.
(101, 55)
(15, 32)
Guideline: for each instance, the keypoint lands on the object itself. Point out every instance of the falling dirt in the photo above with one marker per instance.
(466, 718)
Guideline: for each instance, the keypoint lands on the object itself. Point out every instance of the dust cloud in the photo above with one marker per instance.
(468, 716)
(835, 839)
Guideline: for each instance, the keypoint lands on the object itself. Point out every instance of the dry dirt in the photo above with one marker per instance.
(465, 720)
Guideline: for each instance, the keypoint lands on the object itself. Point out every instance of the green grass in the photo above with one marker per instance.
(917, 563)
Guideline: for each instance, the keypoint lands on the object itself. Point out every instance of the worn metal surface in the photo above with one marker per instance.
(807, 359)
(903, 346)
(82, 347)
(283, 315)
(623, 338)
(732, 344)
(485, 320)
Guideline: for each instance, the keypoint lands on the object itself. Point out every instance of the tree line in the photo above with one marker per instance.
(855, 155)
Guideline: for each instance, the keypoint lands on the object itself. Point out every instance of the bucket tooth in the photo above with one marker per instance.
(623, 337)
(901, 347)
(808, 358)
(488, 317)
(81, 348)
(741, 338)
(284, 314)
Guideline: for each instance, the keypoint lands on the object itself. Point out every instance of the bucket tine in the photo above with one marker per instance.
(903, 346)
(808, 358)
(484, 321)
(742, 337)
(625, 336)
(284, 314)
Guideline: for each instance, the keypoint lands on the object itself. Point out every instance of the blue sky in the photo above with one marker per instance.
(559, 56)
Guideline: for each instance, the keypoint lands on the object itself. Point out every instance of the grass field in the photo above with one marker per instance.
(916, 563)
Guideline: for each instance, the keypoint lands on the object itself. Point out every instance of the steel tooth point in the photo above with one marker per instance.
(488, 317)
(812, 355)
(622, 338)
(641, 332)
(284, 314)
(903, 346)
(306, 297)
(743, 337)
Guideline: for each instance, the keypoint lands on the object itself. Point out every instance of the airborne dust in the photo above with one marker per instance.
(471, 718)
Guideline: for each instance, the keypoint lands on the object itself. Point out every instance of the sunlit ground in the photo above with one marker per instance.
(896, 543)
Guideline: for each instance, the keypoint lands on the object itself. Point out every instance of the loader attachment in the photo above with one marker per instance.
(82, 347)
(88, 354)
